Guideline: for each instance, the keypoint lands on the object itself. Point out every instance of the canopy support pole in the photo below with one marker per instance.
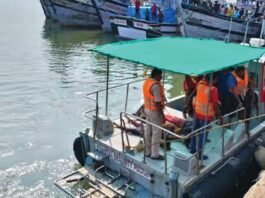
(261, 31)
(246, 33)
(229, 32)
(107, 88)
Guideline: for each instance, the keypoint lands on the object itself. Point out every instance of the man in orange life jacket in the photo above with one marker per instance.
(241, 77)
(154, 98)
(205, 110)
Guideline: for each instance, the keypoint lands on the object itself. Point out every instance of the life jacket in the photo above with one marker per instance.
(149, 99)
(201, 100)
(242, 84)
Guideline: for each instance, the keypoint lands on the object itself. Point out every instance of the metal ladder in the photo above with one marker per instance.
(120, 190)
(93, 185)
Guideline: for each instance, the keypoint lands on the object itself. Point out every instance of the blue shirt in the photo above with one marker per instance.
(226, 82)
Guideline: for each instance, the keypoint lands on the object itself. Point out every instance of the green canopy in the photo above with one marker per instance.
(182, 55)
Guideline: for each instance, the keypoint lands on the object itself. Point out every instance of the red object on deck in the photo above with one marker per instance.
(175, 120)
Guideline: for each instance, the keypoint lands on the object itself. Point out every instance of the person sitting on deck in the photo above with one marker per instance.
(206, 109)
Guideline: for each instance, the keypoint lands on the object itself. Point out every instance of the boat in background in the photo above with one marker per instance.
(81, 13)
(191, 21)
(129, 27)
(48, 9)
(203, 23)
(196, 21)
(110, 8)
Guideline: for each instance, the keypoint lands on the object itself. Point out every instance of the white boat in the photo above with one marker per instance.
(114, 165)
(130, 28)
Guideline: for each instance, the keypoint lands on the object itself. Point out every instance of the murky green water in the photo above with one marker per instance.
(45, 72)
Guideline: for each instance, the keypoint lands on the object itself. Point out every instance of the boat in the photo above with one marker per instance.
(203, 23)
(192, 21)
(80, 13)
(129, 27)
(48, 9)
(114, 165)
(109, 8)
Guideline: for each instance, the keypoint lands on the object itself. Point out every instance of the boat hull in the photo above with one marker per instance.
(130, 28)
(108, 9)
(48, 9)
(75, 13)
(205, 24)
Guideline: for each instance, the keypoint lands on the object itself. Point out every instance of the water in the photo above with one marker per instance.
(45, 71)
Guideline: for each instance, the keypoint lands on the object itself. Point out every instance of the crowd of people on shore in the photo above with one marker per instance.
(253, 10)
(243, 12)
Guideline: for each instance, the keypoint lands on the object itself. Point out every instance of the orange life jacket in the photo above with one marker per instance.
(242, 84)
(149, 99)
(201, 100)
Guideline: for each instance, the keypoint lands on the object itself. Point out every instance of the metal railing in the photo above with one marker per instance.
(203, 130)
(143, 121)
(96, 100)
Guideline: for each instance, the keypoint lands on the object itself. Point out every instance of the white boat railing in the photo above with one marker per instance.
(165, 132)
(95, 99)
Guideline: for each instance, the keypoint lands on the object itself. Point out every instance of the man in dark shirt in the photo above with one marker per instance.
(250, 101)
(154, 12)
(160, 15)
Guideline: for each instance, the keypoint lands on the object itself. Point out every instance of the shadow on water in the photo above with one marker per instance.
(66, 37)
(68, 49)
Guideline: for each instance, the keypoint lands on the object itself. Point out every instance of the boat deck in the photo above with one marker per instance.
(213, 149)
